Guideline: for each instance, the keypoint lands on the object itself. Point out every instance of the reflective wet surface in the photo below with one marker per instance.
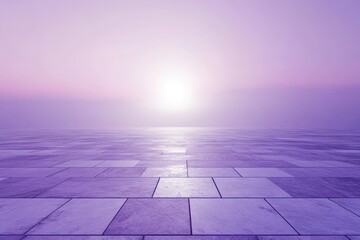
(180, 183)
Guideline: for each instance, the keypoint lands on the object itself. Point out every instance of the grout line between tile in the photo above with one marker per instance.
(114, 216)
(282, 216)
(216, 187)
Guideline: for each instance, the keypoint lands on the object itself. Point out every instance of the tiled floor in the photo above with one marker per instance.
(181, 184)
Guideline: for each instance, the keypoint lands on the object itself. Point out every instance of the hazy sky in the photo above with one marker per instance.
(258, 58)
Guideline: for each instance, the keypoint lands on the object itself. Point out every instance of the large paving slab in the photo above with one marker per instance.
(236, 216)
(152, 216)
(122, 172)
(209, 237)
(165, 172)
(103, 187)
(317, 216)
(249, 187)
(28, 172)
(262, 172)
(79, 163)
(186, 187)
(212, 172)
(352, 204)
(26, 187)
(320, 187)
(79, 172)
(118, 163)
(80, 216)
(83, 238)
(17, 216)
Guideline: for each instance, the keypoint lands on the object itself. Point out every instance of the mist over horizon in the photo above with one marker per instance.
(117, 64)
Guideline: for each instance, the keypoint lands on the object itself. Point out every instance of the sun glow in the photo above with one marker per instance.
(174, 96)
(175, 92)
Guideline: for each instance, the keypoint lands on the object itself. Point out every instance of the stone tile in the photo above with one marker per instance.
(28, 172)
(122, 172)
(341, 164)
(164, 163)
(262, 172)
(200, 238)
(118, 163)
(223, 216)
(354, 237)
(80, 216)
(238, 164)
(212, 172)
(350, 187)
(317, 216)
(26, 187)
(11, 237)
(103, 187)
(302, 238)
(29, 164)
(308, 163)
(79, 163)
(165, 172)
(186, 187)
(152, 216)
(79, 172)
(323, 172)
(353, 204)
(174, 150)
(18, 215)
(83, 238)
(249, 187)
(320, 187)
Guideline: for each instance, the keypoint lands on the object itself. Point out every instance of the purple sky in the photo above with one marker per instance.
(268, 63)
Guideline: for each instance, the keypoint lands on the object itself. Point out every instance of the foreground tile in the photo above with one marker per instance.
(156, 164)
(165, 172)
(200, 238)
(246, 238)
(80, 216)
(29, 164)
(152, 216)
(104, 187)
(122, 172)
(26, 187)
(324, 172)
(28, 172)
(302, 238)
(83, 238)
(11, 237)
(249, 187)
(212, 172)
(262, 172)
(186, 187)
(118, 163)
(236, 216)
(353, 204)
(18, 215)
(317, 216)
(79, 172)
(239, 164)
(79, 163)
(320, 187)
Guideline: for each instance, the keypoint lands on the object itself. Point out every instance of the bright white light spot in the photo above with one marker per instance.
(174, 95)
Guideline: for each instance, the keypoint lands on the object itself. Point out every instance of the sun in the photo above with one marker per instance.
(174, 92)
(175, 95)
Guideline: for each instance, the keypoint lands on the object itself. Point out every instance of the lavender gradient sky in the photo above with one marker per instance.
(262, 64)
